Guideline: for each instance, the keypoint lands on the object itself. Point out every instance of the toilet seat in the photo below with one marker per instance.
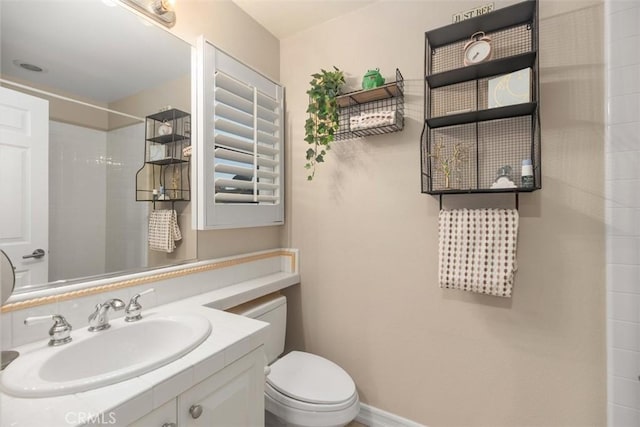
(310, 379)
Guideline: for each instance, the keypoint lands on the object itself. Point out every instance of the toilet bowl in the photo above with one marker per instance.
(302, 389)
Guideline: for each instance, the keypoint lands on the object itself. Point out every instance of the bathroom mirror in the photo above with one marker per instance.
(7, 277)
(102, 54)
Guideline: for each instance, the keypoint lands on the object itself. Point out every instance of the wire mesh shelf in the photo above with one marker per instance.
(372, 112)
(166, 167)
(468, 141)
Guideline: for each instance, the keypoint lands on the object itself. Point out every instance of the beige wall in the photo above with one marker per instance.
(175, 93)
(228, 27)
(225, 25)
(368, 238)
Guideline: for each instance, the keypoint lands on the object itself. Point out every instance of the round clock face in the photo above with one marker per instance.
(476, 52)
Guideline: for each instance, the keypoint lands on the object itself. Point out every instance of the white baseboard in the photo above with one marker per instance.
(374, 417)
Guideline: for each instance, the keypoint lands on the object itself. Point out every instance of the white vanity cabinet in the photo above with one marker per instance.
(231, 397)
(164, 416)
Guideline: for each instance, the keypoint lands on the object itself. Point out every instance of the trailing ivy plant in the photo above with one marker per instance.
(323, 119)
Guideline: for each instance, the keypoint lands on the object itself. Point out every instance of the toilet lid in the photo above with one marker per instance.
(310, 378)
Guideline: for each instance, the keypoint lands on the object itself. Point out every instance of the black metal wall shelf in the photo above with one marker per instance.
(388, 90)
(516, 110)
(167, 135)
(168, 161)
(484, 191)
(519, 13)
(462, 114)
(170, 114)
(383, 105)
(485, 69)
(166, 139)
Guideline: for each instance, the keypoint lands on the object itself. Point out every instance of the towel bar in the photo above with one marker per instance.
(173, 203)
(516, 194)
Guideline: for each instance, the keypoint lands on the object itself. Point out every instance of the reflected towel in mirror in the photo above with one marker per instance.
(163, 230)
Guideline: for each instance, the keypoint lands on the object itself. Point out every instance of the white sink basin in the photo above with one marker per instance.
(96, 359)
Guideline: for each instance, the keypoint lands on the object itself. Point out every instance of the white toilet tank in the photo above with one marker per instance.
(273, 310)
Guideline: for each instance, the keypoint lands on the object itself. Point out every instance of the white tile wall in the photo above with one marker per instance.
(77, 202)
(92, 184)
(126, 242)
(625, 335)
(623, 212)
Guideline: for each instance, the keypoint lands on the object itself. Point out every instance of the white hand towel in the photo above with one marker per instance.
(163, 230)
(477, 250)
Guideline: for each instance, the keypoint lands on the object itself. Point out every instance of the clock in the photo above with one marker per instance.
(477, 49)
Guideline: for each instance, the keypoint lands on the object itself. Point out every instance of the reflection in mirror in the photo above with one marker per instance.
(7, 277)
(102, 69)
(7, 281)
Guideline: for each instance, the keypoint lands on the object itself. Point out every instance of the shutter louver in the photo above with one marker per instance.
(243, 133)
(246, 124)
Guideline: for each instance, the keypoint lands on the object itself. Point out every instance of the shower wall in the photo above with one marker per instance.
(623, 212)
(77, 203)
(126, 219)
(95, 224)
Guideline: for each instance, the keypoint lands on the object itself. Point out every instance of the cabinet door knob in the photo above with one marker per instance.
(169, 425)
(195, 411)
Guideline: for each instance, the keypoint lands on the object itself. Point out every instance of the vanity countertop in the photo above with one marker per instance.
(231, 337)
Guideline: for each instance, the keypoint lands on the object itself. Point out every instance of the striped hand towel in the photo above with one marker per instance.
(477, 250)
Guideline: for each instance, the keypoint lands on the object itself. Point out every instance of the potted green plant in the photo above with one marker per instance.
(323, 119)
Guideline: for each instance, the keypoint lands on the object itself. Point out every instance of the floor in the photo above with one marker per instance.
(355, 424)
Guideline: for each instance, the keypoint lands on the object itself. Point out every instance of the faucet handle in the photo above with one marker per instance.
(60, 332)
(134, 309)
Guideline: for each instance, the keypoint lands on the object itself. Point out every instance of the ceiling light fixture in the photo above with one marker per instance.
(159, 10)
(163, 6)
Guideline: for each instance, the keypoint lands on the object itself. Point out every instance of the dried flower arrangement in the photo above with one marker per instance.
(449, 164)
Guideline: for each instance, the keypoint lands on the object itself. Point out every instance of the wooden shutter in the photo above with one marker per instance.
(239, 161)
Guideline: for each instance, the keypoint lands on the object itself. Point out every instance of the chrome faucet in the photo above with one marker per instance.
(99, 320)
(60, 332)
(134, 309)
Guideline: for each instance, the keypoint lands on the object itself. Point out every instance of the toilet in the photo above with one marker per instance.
(302, 389)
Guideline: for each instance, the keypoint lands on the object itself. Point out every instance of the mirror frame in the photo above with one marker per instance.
(51, 296)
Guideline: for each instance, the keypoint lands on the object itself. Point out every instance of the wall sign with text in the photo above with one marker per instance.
(472, 13)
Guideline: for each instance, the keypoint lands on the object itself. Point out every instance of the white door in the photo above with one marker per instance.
(24, 184)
